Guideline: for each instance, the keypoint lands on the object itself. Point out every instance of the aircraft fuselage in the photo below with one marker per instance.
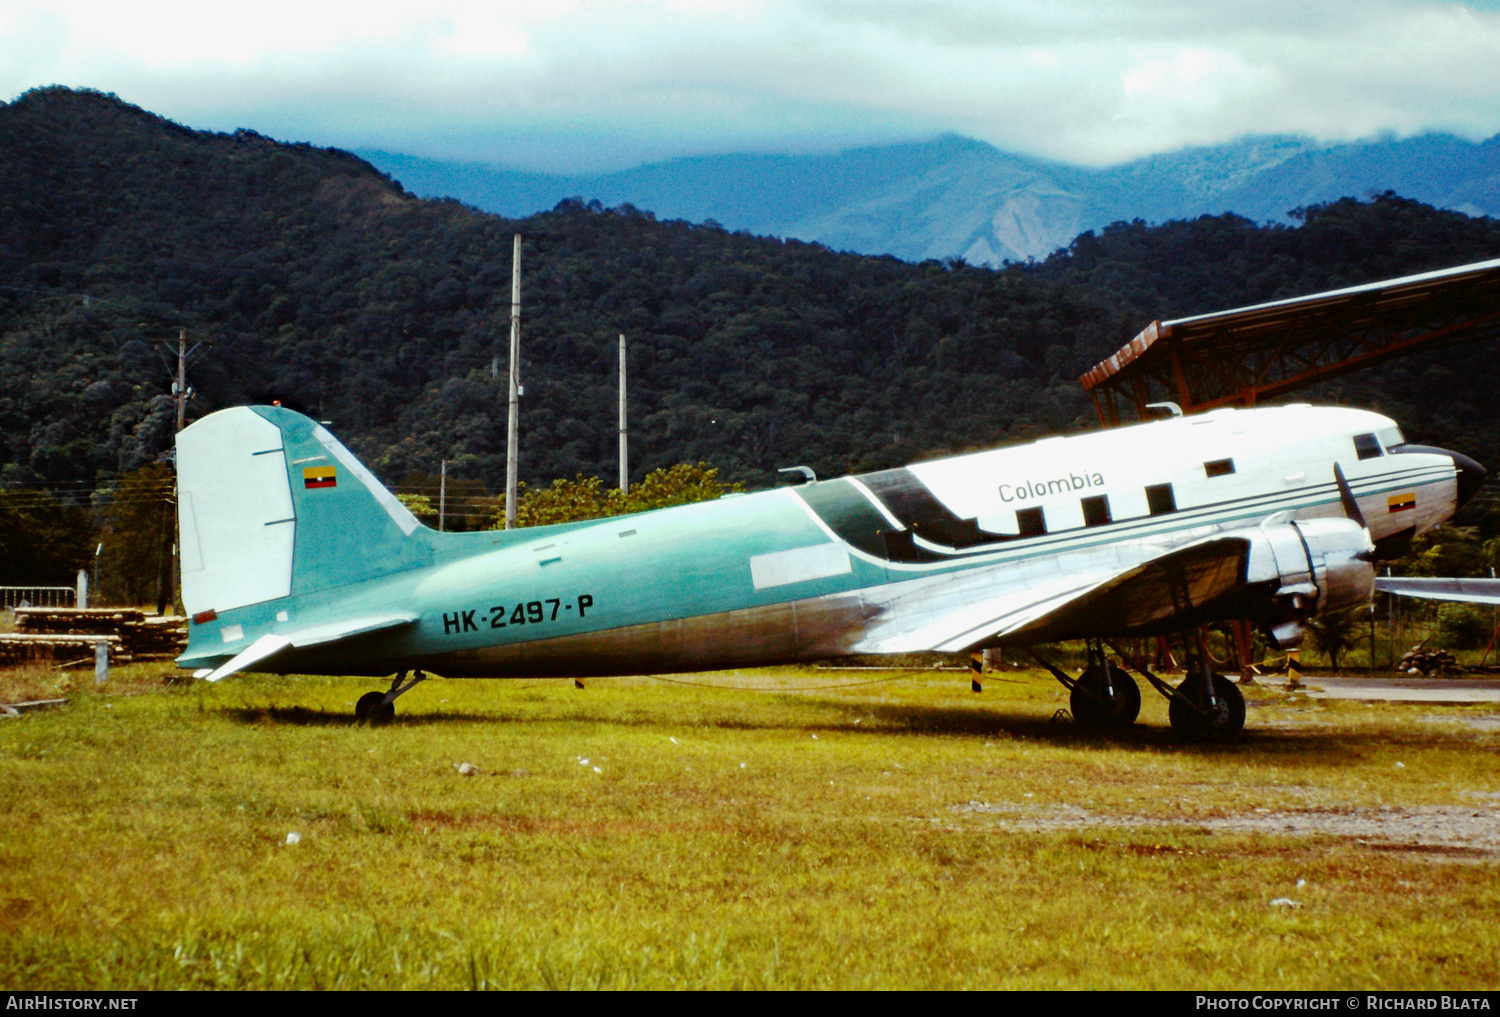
(1022, 544)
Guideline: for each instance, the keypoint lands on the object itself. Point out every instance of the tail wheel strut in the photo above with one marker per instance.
(379, 708)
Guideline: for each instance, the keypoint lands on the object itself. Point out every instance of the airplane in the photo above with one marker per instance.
(295, 559)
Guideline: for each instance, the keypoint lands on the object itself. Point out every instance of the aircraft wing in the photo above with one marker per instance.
(1163, 589)
(1472, 591)
(1090, 595)
(269, 645)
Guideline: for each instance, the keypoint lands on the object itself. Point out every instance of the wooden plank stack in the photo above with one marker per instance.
(58, 635)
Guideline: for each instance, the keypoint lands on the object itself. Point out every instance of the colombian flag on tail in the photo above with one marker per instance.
(320, 476)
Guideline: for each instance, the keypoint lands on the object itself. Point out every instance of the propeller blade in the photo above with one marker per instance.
(1346, 495)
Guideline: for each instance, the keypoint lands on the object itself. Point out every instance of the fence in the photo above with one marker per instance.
(37, 596)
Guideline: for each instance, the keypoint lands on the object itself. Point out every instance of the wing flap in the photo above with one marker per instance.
(1107, 594)
(1172, 586)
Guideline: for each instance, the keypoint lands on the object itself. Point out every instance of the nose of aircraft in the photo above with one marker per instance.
(1470, 476)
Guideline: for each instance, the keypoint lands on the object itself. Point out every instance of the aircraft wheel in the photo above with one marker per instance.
(1096, 708)
(372, 709)
(1194, 722)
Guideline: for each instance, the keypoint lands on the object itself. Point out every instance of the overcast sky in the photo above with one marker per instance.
(602, 84)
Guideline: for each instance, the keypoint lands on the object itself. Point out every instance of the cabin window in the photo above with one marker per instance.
(1219, 468)
(1096, 511)
(1030, 522)
(1366, 447)
(1161, 499)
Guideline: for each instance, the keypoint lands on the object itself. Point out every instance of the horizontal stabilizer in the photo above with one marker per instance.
(348, 628)
(271, 644)
(264, 647)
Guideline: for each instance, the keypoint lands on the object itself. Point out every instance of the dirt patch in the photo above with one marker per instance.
(1471, 829)
(1481, 721)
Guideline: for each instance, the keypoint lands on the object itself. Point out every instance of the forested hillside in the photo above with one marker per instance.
(322, 283)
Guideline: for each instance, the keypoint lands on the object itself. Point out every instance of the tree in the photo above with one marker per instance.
(676, 485)
(138, 528)
(586, 497)
(1333, 634)
(565, 501)
(420, 506)
(43, 542)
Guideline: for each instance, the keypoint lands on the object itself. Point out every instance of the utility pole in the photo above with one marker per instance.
(179, 390)
(515, 387)
(624, 452)
(443, 498)
(169, 546)
(180, 396)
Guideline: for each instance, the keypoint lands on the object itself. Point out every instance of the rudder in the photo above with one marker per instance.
(271, 505)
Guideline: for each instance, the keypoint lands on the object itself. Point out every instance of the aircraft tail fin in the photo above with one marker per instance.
(271, 506)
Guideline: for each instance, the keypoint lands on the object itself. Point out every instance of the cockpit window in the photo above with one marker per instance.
(1390, 437)
(1366, 447)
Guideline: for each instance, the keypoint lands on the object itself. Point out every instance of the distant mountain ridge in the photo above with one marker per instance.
(957, 197)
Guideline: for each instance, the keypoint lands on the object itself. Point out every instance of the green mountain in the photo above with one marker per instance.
(315, 279)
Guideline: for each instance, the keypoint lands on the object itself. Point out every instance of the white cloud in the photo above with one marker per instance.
(614, 81)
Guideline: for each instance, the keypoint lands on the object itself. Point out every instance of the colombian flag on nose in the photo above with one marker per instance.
(320, 476)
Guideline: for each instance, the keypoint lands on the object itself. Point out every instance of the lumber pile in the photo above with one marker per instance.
(62, 634)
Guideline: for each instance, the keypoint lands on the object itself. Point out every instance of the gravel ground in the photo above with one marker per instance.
(1474, 829)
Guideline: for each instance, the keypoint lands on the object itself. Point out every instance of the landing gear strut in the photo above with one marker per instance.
(1104, 697)
(1204, 706)
(379, 708)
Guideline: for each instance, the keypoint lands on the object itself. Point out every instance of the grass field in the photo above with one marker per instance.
(789, 829)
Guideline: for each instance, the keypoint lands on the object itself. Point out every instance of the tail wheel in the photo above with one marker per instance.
(1105, 700)
(1195, 720)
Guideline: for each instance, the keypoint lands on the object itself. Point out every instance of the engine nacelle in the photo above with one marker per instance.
(1314, 566)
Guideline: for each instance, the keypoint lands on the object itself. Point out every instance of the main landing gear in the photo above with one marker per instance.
(1204, 706)
(379, 708)
(1104, 697)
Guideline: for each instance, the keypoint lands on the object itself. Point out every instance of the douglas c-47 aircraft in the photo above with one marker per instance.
(296, 560)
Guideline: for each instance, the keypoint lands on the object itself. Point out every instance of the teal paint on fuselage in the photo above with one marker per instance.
(674, 563)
